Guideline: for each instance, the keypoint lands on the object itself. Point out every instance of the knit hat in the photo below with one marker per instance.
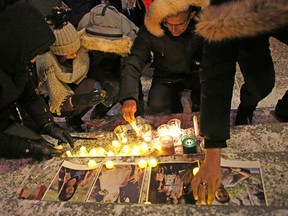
(67, 40)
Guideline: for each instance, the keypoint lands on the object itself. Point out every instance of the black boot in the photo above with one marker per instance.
(244, 115)
(75, 122)
(99, 111)
(281, 109)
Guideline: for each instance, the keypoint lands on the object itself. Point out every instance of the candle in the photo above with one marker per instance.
(147, 202)
(152, 162)
(126, 149)
(167, 145)
(144, 147)
(83, 152)
(142, 163)
(189, 144)
(196, 125)
(146, 132)
(195, 171)
(68, 153)
(93, 152)
(175, 128)
(163, 130)
(92, 164)
(109, 164)
(115, 143)
(110, 153)
(101, 151)
(121, 132)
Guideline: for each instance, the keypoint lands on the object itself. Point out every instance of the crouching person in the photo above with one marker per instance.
(22, 40)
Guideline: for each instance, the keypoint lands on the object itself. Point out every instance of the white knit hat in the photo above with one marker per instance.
(67, 40)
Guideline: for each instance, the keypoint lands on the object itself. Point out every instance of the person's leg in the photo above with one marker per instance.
(257, 68)
(163, 99)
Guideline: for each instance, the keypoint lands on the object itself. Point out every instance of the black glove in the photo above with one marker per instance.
(88, 99)
(54, 130)
(40, 149)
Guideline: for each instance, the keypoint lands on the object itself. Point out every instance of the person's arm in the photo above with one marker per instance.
(208, 178)
(131, 73)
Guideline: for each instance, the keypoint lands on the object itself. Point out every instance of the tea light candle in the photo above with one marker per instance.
(93, 152)
(167, 145)
(110, 153)
(152, 162)
(175, 128)
(115, 143)
(144, 147)
(142, 163)
(68, 153)
(92, 164)
(83, 151)
(195, 171)
(126, 149)
(109, 164)
(101, 151)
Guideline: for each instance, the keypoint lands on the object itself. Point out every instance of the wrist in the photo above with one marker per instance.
(213, 155)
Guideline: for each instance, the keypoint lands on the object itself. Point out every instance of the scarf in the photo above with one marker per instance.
(53, 80)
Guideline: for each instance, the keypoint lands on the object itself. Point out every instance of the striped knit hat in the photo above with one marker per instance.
(67, 40)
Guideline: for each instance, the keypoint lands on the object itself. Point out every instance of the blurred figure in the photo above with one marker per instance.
(22, 40)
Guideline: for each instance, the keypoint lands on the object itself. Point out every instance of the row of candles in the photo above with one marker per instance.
(142, 163)
(168, 135)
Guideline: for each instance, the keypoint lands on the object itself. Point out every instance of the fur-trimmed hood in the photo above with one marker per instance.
(160, 9)
(245, 18)
(119, 46)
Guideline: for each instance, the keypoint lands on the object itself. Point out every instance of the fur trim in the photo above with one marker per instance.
(244, 18)
(118, 46)
(160, 9)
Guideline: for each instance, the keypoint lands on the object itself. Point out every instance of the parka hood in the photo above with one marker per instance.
(244, 18)
(24, 34)
(160, 9)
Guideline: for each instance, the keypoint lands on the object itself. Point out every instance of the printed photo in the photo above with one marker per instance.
(170, 183)
(72, 183)
(122, 184)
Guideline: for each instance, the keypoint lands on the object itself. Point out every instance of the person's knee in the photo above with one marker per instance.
(158, 106)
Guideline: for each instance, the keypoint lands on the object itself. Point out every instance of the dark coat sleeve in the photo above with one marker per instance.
(133, 65)
(12, 146)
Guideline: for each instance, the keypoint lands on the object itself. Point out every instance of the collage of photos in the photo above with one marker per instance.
(167, 183)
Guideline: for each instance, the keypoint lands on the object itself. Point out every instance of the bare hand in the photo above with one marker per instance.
(128, 109)
(208, 178)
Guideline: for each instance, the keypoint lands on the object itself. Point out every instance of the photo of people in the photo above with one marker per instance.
(121, 184)
(170, 183)
(240, 186)
(72, 183)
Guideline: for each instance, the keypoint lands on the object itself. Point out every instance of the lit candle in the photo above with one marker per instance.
(175, 128)
(167, 145)
(196, 125)
(101, 151)
(144, 147)
(83, 152)
(109, 164)
(142, 163)
(126, 149)
(68, 153)
(110, 153)
(124, 140)
(93, 152)
(92, 164)
(135, 150)
(147, 202)
(195, 171)
(115, 143)
(152, 162)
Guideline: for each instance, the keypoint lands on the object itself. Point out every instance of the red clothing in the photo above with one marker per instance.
(147, 3)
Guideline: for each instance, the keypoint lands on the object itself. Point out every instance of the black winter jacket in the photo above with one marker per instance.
(24, 34)
(173, 59)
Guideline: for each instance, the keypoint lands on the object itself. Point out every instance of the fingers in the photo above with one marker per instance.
(195, 187)
(202, 192)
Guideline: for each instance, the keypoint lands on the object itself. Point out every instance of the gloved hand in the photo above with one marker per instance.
(88, 99)
(54, 130)
(40, 149)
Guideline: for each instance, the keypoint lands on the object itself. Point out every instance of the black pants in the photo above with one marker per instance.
(165, 97)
